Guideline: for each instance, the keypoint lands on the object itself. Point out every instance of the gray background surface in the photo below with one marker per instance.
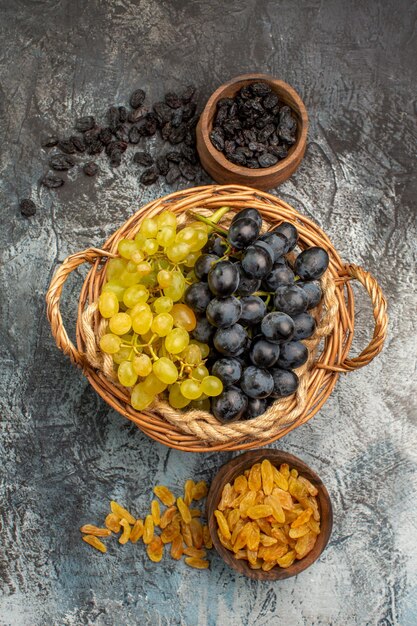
(64, 453)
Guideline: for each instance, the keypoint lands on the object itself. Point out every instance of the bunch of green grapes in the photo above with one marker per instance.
(148, 325)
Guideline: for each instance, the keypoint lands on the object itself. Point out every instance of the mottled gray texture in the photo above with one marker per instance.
(64, 453)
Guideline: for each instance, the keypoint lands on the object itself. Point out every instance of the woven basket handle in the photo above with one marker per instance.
(381, 321)
(53, 297)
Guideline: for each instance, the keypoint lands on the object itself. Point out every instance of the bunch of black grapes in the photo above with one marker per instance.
(252, 308)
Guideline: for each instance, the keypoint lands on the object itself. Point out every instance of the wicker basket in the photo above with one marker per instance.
(196, 431)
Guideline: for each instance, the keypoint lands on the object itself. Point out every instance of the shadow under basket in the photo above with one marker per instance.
(197, 431)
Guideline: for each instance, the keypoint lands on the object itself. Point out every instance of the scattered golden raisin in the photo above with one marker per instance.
(96, 543)
(112, 522)
(196, 563)
(177, 547)
(148, 531)
(164, 494)
(167, 516)
(156, 512)
(137, 531)
(155, 549)
(124, 537)
(184, 510)
(121, 512)
(90, 529)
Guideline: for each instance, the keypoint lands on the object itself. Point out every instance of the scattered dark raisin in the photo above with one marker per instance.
(173, 100)
(122, 115)
(113, 117)
(217, 138)
(66, 145)
(176, 119)
(162, 164)
(189, 154)
(121, 132)
(27, 207)
(189, 138)
(143, 158)
(116, 158)
(134, 134)
(90, 136)
(137, 98)
(177, 134)
(138, 114)
(61, 162)
(187, 170)
(90, 168)
(95, 147)
(267, 160)
(173, 156)
(51, 181)
(286, 135)
(49, 142)
(163, 112)
(105, 136)
(116, 146)
(150, 127)
(78, 143)
(225, 102)
(149, 176)
(188, 94)
(166, 131)
(261, 89)
(188, 111)
(84, 123)
(173, 174)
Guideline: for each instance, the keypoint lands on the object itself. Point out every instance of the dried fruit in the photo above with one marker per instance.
(186, 533)
(49, 142)
(300, 531)
(207, 540)
(124, 537)
(118, 510)
(170, 532)
(27, 207)
(200, 490)
(155, 550)
(112, 522)
(188, 491)
(84, 123)
(89, 529)
(149, 176)
(165, 495)
(156, 512)
(96, 543)
(303, 518)
(148, 531)
(66, 145)
(137, 98)
(90, 168)
(227, 498)
(241, 484)
(137, 531)
(267, 477)
(177, 548)
(259, 510)
(168, 516)
(196, 532)
(78, 143)
(255, 479)
(184, 511)
(195, 552)
(223, 525)
(51, 181)
(197, 563)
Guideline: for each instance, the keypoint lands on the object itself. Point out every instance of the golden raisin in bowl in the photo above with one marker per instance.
(269, 514)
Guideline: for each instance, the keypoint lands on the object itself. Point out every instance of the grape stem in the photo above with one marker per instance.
(212, 222)
(263, 293)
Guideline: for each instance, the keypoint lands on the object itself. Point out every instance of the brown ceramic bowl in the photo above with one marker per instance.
(239, 464)
(225, 172)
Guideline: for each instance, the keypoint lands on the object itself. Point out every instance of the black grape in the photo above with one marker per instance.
(216, 245)
(223, 279)
(264, 353)
(277, 242)
(311, 263)
(304, 326)
(204, 264)
(313, 291)
(292, 355)
(290, 233)
(231, 341)
(277, 327)
(224, 312)
(257, 261)
(291, 300)
(285, 382)
(198, 297)
(203, 331)
(253, 310)
(229, 370)
(279, 275)
(247, 284)
(256, 382)
(253, 214)
(242, 233)
(229, 405)
(256, 406)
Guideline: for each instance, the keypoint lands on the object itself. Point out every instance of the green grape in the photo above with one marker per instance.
(166, 236)
(114, 268)
(108, 304)
(165, 370)
(202, 404)
(178, 252)
(191, 389)
(128, 279)
(166, 218)
(140, 399)
(191, 259)
(126, 247)
(126, 374)
(139, 308)
(164, 278)
(137, 257)
(200, 242)
(144, 268)
(176, 399)
(120, 323)
(135, 294)
(147, 336)
(177, 340)
(186, 235)
(123, 354)
(198, 226)
(142, 364)
(140, 240)
(191, 354)
(212, 386)
(177, 287)
(153, 385)
(162, 324)
(204, 348)
(149, 280)
(200, 372)
(141, 322)
(163, 304)
(110, 344)
(115, 287)
(151, 247)
(149, 227)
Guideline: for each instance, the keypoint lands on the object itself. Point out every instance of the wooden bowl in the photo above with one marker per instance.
(238, 465)
(225, 172)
